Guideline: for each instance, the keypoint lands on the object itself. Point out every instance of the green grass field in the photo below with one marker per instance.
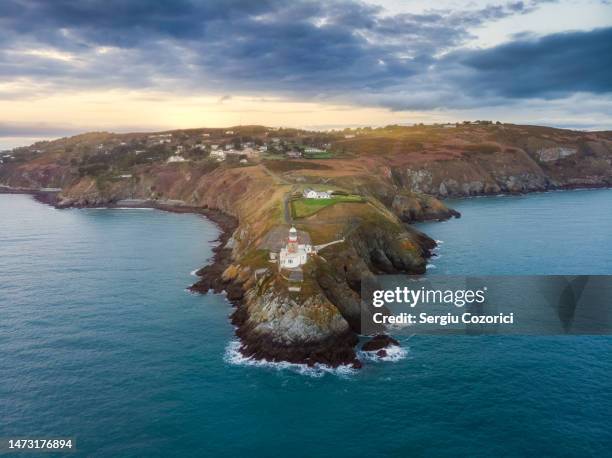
(303, 207)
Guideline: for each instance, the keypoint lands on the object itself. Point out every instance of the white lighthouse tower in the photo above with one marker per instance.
(292, 241)
(294, 254)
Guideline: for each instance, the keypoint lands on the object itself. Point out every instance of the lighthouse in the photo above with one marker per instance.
(294, 254)
(292, 241)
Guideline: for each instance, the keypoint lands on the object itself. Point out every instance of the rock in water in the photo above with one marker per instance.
(379, 343)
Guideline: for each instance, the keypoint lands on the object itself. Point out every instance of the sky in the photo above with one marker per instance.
(141, 65)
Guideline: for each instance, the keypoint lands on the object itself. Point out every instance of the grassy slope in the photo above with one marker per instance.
(304, 207)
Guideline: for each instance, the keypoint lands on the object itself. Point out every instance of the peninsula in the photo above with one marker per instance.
(307, 215)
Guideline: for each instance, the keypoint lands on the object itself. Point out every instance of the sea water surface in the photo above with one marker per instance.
(100, 341)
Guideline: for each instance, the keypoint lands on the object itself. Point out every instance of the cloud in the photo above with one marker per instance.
(552, 66)
(341, 51)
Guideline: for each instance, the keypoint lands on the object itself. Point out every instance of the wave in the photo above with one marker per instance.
(194, 273)
(395, 353)
(431, 266)
(233, 356)
(119, 208)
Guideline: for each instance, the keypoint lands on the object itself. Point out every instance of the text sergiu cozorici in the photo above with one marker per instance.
(453, 297)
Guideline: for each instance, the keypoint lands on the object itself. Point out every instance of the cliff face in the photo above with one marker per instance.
(521, 165)
(399, 173)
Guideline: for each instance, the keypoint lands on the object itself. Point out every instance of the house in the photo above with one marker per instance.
(161, 138)
(205, 135)
(228, 147)
(312, 194)
(294, 254)
(214, 147)
(176, 158)
(217, 154)
(349, 136)
(294, 154)
(126, 176)
(313, 150)
(229, 132)
(263, 148)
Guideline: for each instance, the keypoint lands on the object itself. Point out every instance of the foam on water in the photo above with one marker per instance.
(233, 356)
(394, 353)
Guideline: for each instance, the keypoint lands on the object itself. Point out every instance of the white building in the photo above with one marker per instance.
(229, 132)
(176, 158)
(217, 154)
(312, 194)
(294, 254)
(313, 150)
(161, 138)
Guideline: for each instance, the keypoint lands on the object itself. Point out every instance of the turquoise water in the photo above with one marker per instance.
(100, 341)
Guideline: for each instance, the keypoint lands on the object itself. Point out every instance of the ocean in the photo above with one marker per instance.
(100, 341)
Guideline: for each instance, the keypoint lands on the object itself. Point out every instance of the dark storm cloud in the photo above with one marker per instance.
(552, 66)
(341, 50)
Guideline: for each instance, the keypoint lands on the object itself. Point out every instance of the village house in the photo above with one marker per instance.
(312, 194)
(229, 132)
(294, 154)
(217, 154)
(161, 138)
(176, 158)
(313, 150)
